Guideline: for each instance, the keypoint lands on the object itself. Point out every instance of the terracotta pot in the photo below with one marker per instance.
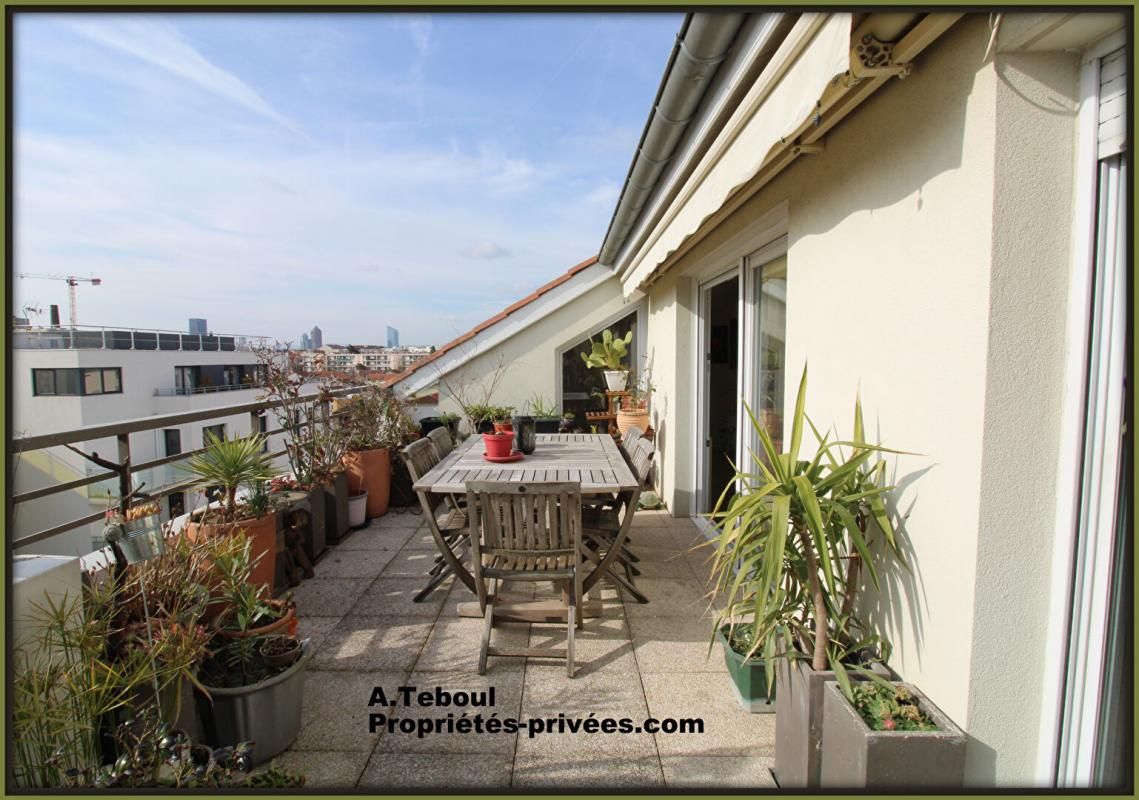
(504, 427)
(286, 623)
(498, 445)
(262, 534)
(627, 419)
(371, 471)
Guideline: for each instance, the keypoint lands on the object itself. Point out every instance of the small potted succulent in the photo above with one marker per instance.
(634, 407)
(609, 355)
(503, 420)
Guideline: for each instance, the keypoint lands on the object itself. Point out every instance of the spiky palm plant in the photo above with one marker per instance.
(231, 464)
(784, 529)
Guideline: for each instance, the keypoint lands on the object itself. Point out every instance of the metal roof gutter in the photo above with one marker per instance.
(701, 45)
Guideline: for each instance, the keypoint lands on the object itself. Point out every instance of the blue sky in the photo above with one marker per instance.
(271, 172)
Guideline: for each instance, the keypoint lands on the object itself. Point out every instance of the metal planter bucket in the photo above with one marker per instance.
(143, 539)
(267, 713)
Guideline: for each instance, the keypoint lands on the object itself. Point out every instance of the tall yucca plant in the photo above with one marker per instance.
(784, 534)
(231, 464)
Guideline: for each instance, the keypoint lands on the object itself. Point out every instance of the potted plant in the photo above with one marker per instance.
(375, 423)
(502, 419)
(783, 533)
(609, 355)
(634, 407)
(233, 464)
(245, 612)
(246, 698)
(313, 445)
(451, 422)
(546, 418)
(747, 671)
(480, 417)
(889, 736)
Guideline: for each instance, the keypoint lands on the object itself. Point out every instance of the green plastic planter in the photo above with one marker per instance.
(749, 679)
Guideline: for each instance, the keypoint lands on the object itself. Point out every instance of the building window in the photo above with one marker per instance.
(76, 382)
(583, 388)
(212, 432)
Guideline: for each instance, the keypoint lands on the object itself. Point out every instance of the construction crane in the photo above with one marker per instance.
(72, 281)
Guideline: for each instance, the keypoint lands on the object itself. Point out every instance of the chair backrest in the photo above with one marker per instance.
(630, 437)
(525, 518)
(640, 458)
(420, 457)
(441, 438)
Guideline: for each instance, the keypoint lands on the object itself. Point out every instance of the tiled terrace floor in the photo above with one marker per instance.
(635, 661)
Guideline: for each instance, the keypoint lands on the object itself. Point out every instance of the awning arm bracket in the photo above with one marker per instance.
(870, 57)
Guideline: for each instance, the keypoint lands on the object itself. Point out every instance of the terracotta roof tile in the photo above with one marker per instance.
(501, 315)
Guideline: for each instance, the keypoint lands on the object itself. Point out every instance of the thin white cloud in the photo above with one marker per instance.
(160, 45)
(486, 250)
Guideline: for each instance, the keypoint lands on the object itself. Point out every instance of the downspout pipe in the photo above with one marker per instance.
(701, 45)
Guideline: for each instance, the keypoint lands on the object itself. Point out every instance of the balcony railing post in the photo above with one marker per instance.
(124, 470)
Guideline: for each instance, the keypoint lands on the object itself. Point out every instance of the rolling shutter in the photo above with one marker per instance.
(1112, 103)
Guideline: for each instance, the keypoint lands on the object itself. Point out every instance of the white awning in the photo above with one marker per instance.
(784, 97)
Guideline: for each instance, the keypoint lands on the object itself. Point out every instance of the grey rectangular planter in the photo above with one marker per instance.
(336, 508)
(799, 721)
(856, 757)
(316, 531)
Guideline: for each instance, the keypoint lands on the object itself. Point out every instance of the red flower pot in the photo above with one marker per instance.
(498, 445)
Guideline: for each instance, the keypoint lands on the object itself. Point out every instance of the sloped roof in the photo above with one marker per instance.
(496, 319)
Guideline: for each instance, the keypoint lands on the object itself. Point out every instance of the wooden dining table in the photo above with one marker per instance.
(593, 460)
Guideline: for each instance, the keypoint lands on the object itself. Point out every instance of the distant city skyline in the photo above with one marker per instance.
(423, 169)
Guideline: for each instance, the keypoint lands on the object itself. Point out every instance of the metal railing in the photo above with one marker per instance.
(97, 337)
(124, 470)
(176, 391)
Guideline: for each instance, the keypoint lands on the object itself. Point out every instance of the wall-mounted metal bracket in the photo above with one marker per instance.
(872, 58)
(807, 149)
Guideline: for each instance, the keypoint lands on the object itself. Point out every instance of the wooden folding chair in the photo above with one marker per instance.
(441, 438)
(526, 532)
(420, 456)
(602, 524)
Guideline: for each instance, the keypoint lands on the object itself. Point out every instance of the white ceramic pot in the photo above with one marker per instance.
(357, 510)
(616, 379)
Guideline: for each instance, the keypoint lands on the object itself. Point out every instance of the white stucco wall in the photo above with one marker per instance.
(927, 265)
(529, 360)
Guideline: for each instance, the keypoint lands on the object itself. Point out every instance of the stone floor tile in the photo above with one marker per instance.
(718, 772)
(598, 685)
(728, 730)
(550, 742)
(410, 563)
(669, 597)
(373, 643)
(335, 714)
(315, 629)
(325, 770)
(602, 771)
(454, 646)
(410, 517)
(422, 539)
(329, 597)
(418, 771)
(394, 597)
(375, 538)
(353, 563)
(675, 644)
(507, 701)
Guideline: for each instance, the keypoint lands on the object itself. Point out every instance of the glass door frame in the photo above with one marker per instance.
(752, 269)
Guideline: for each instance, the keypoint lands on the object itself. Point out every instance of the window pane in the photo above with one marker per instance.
(43, 381)
(92, 381)
(112, 380)
(215, 431)
(67, 381)
(772, 356)
(583, 387)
